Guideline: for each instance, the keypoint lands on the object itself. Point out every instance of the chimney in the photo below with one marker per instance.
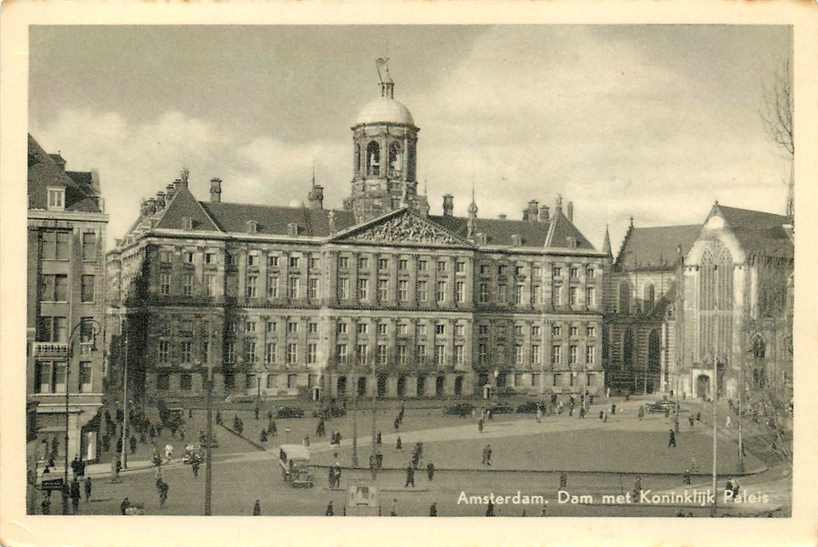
(570, 211)
(150, 206)
(448, 205)
(215, 190)
(59, 160)
(331, 221)
(502, 216)
(160, 201)
(558, 205)
(170, 190)
(315, 197)
(143, 207)
(533, 206)
(544, 214)
(525, 214)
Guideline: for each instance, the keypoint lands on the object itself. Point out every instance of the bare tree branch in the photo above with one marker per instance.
(777, 107)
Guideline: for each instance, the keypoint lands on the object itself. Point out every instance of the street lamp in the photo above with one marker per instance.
(77, 329)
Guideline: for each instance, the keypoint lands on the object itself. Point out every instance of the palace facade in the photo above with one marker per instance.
(379, 297)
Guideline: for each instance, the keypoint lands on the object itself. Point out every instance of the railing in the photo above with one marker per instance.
(50, 349)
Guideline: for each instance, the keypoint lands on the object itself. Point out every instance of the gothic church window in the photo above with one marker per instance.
(624, 298)
(649, 298)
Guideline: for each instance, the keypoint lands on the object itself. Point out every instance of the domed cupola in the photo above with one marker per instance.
(384, 139)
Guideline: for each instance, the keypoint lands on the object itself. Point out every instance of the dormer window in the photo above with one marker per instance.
(516, 240)
(292, 229)
(187, 223)
(252, 227)
(56, 199)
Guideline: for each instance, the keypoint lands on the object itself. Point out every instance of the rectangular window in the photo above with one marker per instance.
(271, 326)
(89, 247)
(185, 382)
(572, 355)
(229, 352)
(313, 288)
(383, 264)
(363, 289)
(501, 270)
(383, 290)
(250, 351)
(403, 264)
(420, 352)
(402, 354)
(403, 290)
(166, 256)
(421, 329)
(557, 272)
(440, 355)
(382, 354)
(188, 285)
(63, 244)
(273, 261)
(272, 287)
(501, 331)
(56, 198)
(574, 272)
(518, 294)
(164, 351)
(484, 293)
(441, 266)
(312, 328)
(421, 291)
(382, 329)
(518, 271)
(292, 354)
(231, 259)
(312, 354)
(459, 329)
(270, 352)
(343, 262)
(590, 331)
(363, 328)
(536, 272)
(590, 354)
(341, 351)
(295, 262)
(590, 297)
(422, 265)
(229, 380)
(164, 284)
(556, 330)
(459, 266)
(210, 284)
(252, 282)
(42, 377)
(315, 263)
(162, 382)
(292, 327)
(574, 331)
(293, 288)
(210, 258)
(556, 296)
(440, 329)
(362, 353)
(556, 355)
(535, 331)
(206, 351)
(187, 256)
(535, 355)
(518, 355)
(342, 327)
(402, 329)
(292, 381)
(590, 272)
(501, 353)
(186, 351)
(440, 292)
(518, 330)
(85, 377)
(270, 381)
(363, 263)
(460, 292)
(483, 354)
(459, 354)
(484, 269)
(502, 293)
(61, 288)
(48, 243)
(343, 288)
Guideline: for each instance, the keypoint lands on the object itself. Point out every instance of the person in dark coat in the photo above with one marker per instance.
(256, 412)
(257, 507)
(490, 509)
(378, 438)
(126, 503)
(430, 470)
(75, 465)
(272, 430)
(119, 445)
(433, 509)
(263, 436)
(398, 445)
(671, 441)
(330, 511)
(195, 466)
(88, 487)
(133, 444)
(410, 476)
(45, 506)
(75, 495)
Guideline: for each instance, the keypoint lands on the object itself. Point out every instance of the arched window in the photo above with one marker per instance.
(648, 298)
(654, 351)
(624, 298)
(373, 159)
(394, 160)
(410, 161)
(357, 165)
(627, 349)
(759, 347)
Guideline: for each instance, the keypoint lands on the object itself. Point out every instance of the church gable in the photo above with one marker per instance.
(401, 227)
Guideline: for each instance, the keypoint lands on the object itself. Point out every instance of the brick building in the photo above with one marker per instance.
(380, 296)
(66, 249)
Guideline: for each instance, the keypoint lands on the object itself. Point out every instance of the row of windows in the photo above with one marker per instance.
(537, 295)
(250, 353)
(186, 381)
(500, 354)
(49, 377)
(56, 245)
(253, 260)
(55, 329)
(55, 288)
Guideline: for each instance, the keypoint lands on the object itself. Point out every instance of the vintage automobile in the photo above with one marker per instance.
(459, 409)
(193, 452)
(290, 412)
(294, 461)
(530, 407)
(660, 407)
(501, 408)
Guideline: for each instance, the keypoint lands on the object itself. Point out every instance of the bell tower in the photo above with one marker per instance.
(384, 141)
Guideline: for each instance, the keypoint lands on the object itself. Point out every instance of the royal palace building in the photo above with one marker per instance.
(379, 297)
(65, 304)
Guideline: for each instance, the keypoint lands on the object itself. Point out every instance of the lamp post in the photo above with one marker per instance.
(77, 329)
(374, 451)
(715, 392)
(355, 426)
(125, 421)
(209, 439)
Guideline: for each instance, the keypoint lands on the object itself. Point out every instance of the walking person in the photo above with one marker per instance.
(433, 509)
(410, 476)
(490, 509)
(88, 486)
(488, 454)
(398, 445)
(480, 425)
(671, 441)
(163, 492)
(430, 471)
(195, 466)
(330, 510)
(394, 511)
(257, 508)
(75, 495)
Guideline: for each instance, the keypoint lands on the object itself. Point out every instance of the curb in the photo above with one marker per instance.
(255, 444)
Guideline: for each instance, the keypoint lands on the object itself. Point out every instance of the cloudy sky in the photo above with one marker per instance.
(650, 122)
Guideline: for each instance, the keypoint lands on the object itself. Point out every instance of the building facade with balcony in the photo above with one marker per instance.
(66, 284)
(379, 297)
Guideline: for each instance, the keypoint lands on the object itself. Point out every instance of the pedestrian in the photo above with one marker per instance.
(257, 508)
(641, 412)
(698, 416)
(433, 509)
(608, 393)
(430, 471)
(671, 441)
(75, 465)
(736, 489)
(331, 477)
(337, 474)
(168, 452)
(490, 509)
(686, 477)
(539, 414)
(613, 409)
(319, 430)
(398, 445)
(582, 412)
(117, 467)
(410, 476)
(75, 496)
(163, 492)
(394, 511)
(397, 423)
(691, 420)
(563, 480)
(190, 412)
(195, 466)
(727, 422)
(307, 441)
(378, 438)
(132, 442)
(338, 437)
(488, 454)
(219, 417)
(601, 414)
(263, 436)
(485, 451)
(88, 487)
(256, 412)
(605, 417)
(125, 505)
(330, 511)
(45, 506)
(480, 425)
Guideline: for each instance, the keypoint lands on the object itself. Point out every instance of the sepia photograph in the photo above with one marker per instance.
(423, 270)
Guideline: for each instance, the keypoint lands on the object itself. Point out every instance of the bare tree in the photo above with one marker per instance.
(777, 107)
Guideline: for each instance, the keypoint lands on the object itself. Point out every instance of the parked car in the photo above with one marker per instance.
(529, 407)
(501, 408)
(459, 409)
(660, 407)
(290, 412)
(334, 411)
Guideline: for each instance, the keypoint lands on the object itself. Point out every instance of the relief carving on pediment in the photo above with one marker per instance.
(405, 229)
